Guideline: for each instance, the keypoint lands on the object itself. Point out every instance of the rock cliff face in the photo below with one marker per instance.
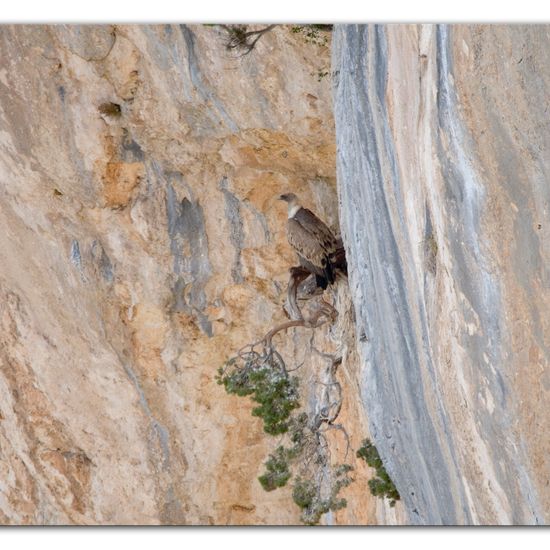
(141, 245)
(443, 171)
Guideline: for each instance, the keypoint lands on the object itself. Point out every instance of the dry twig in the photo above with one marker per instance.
(239, 37)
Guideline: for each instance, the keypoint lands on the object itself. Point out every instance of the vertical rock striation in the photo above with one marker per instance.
(442, 163)
(142, 245)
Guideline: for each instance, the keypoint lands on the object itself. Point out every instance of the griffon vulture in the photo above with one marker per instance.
(313, 241)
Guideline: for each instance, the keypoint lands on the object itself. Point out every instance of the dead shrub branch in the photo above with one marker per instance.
(259, 371)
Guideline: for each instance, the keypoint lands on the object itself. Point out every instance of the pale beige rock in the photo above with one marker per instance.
(139, 249)
(443, 169)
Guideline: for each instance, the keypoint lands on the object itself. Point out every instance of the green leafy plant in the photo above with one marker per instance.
(266, 381)
(262, 375)
(381, 485)
(307, 496)
(313, 34)
(277, 470)
(321, 73)
(259, 371)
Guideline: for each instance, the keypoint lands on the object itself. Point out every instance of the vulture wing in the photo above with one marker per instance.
(313, 241)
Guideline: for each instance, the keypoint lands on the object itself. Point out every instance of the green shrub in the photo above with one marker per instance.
(278, 464)
(277, 470)
(264, 378)
(304, 492)
(381, 485)
(307, 495)
(268, 385)
(313, 34)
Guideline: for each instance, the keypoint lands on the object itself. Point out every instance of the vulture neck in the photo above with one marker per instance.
(293, 208)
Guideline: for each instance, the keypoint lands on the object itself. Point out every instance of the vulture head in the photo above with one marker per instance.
(292, 200)
(288, 197)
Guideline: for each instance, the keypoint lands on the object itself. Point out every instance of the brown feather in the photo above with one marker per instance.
(319, 230)
(313, 241)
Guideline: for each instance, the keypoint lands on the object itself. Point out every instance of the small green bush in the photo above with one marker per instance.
(278, 464)
(321, 73)
(277, 470)
(313, 34)
(264, 378)
(381, 485)
(306, 495)
(304, 492)
(269, 386)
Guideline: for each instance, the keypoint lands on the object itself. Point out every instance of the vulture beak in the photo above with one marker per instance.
(288, 197)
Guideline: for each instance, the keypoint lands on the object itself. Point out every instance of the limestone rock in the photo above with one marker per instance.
(141, 245)
(442, 174)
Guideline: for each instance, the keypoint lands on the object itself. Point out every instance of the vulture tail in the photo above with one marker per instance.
(321, 282)
(338, 259)
(328, 270)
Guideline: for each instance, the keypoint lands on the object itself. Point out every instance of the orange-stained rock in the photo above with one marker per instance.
(119, 182)
(140, 247)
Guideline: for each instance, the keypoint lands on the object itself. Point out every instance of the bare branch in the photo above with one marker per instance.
(283, 326)
(239, 37)
(297, 275)
(340, 427)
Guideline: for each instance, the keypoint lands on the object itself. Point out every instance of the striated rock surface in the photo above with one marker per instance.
(141, 245)
(443, 171)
